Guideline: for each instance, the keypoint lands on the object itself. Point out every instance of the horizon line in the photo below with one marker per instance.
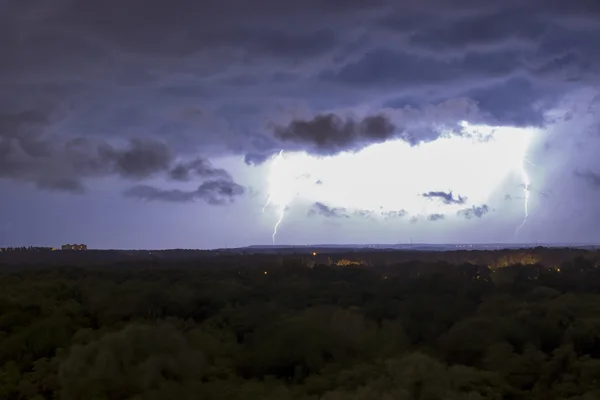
(352, 245)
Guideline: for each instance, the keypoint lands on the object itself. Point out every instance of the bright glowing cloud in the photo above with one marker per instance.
(394, 176)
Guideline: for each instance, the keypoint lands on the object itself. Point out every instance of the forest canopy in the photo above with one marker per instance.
(408, 331)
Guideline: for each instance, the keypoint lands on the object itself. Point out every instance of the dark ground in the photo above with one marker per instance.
(338, 325)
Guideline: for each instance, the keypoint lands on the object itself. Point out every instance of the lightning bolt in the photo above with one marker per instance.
(276, 199)
(525, 180)
(281, 214)
(530, 163)
(526, 191)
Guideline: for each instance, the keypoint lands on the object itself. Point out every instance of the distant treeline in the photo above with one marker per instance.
(26, 249)
(414, 330)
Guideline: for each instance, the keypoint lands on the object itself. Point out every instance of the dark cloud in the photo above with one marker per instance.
(257, 159)
(337, 131)
(445, 197)
(200, 167)
(65, 165)
(186, 26)
(436, 217)
(516, 101)
(590, 177)
(481, 29)
(473, 212)
(151, 193)
(292, 46)
(385, 67)
(70, 185)
(326, 211)
(394, 214)
(330, 134)
(513, 60)
(213, 192)
(363, 213)
(52, 162)
(140, 160)
(11, 124)
(21, 130)
(150, 59)
(409, 70)
(341, 212)
(221, 191)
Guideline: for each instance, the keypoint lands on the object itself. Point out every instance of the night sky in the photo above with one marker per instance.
(204, 123)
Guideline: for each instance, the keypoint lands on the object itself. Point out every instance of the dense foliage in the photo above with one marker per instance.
(411, 331)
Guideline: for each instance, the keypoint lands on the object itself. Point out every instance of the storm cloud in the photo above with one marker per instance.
(445, 197)
(139, 94)
(30, 154)
(326, 211)
(66, 165)
(512, 60)
(184, 171)
(436, 217)
(393, 214)
(213, 192)
(338, 131)
(590, 177)
(329, 134)
(473, 212)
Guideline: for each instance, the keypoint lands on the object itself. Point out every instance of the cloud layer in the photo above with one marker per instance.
(64, 164)
(474, 212)
(214, 192)
(119, 67)
(136, 91)
(445, 197)
(329, 134)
